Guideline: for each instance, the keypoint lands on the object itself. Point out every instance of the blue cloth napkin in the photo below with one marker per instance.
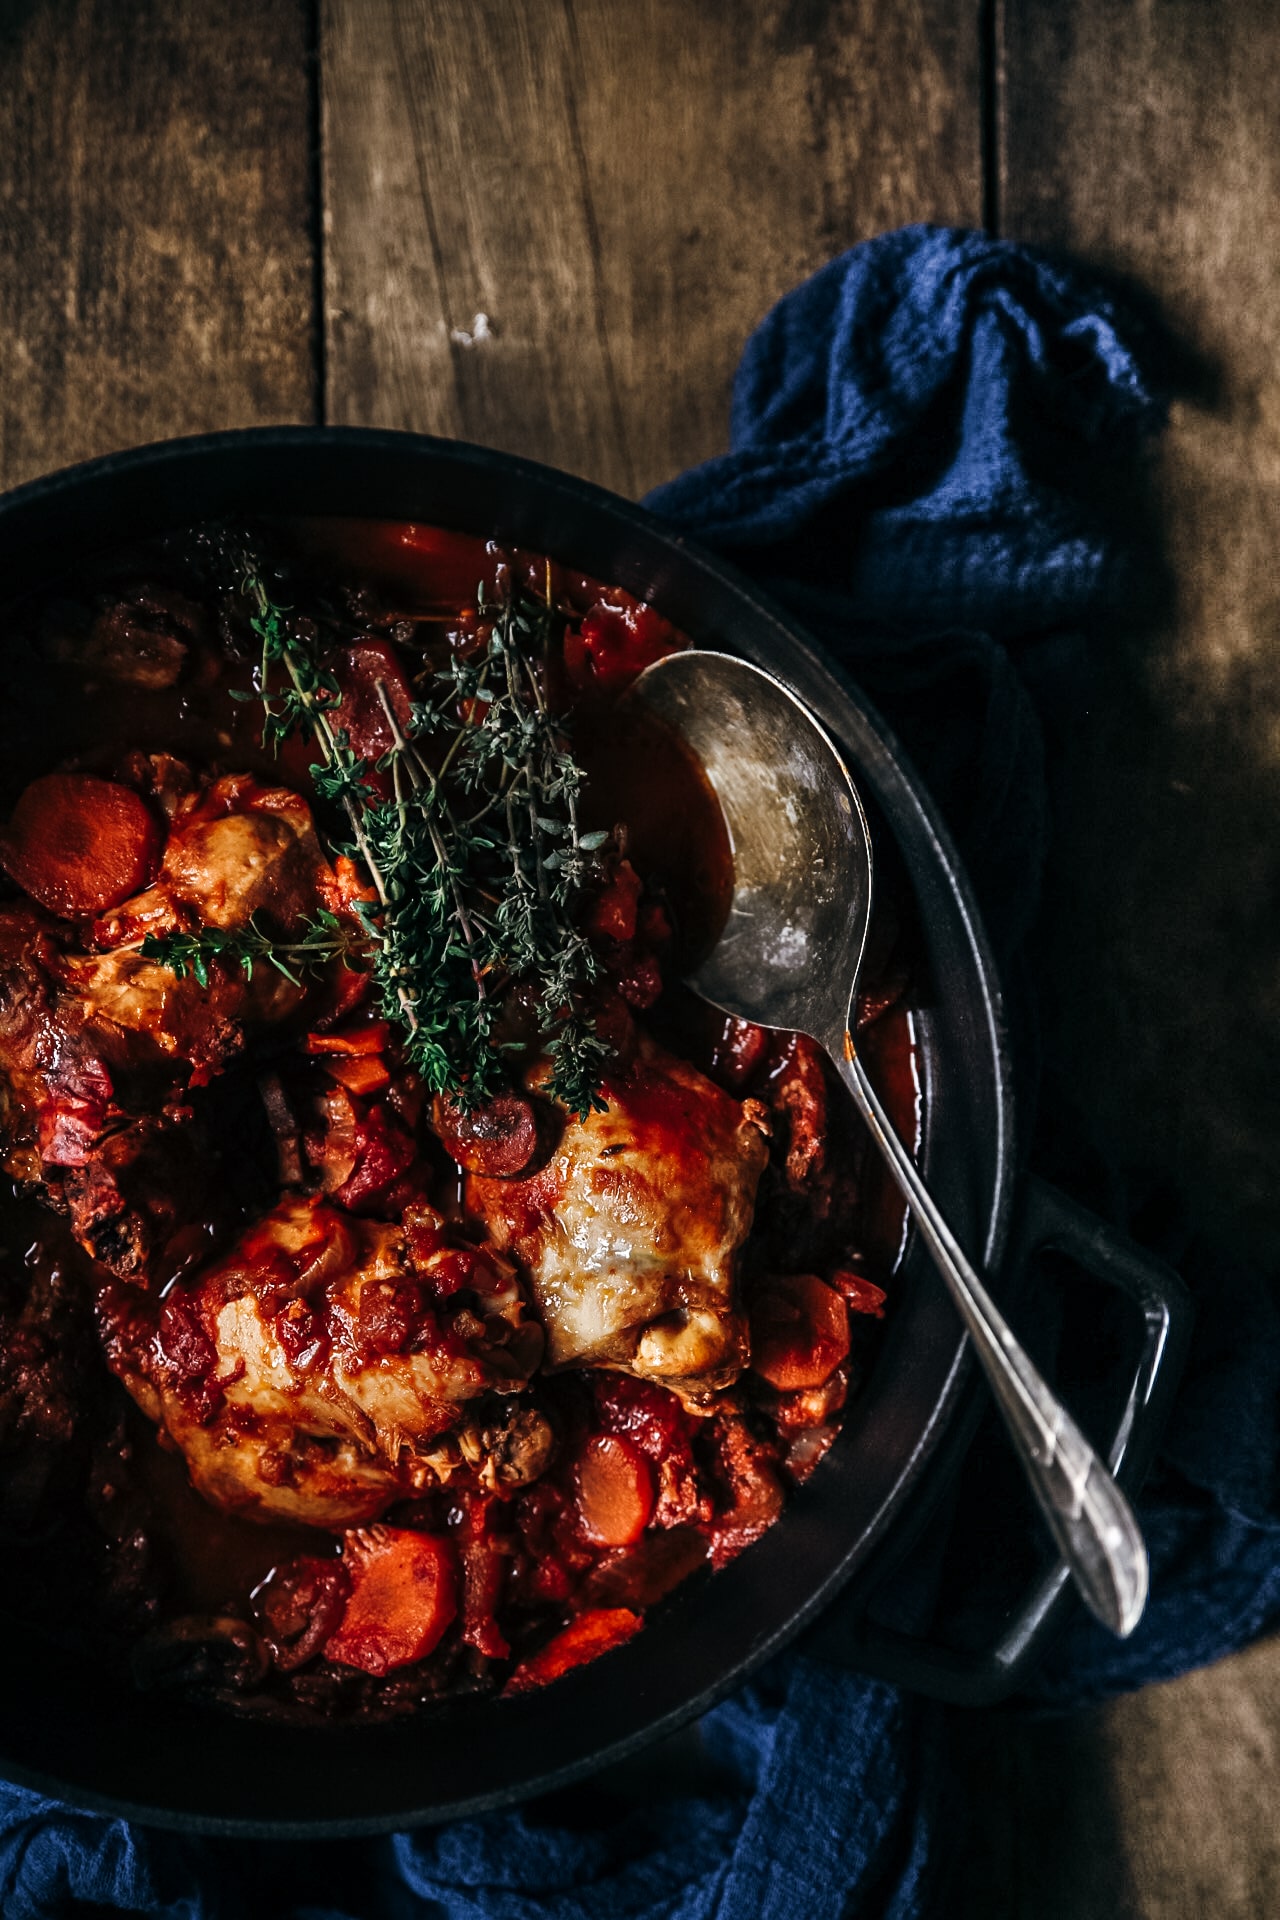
(932, 440)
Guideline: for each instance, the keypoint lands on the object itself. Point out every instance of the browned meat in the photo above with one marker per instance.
(98, 1046)
(236, 852)
(631, 1231)
(330, 1365)
(140, 638)
(752, 1493)
(46, 1347)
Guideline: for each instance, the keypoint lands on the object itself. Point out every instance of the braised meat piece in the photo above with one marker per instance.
(237, 852)
(141, 1193)
(46, 1346)
(127, 1181)
(99, 1046)
(142, 636)
(631, 1231)
(329, 1365)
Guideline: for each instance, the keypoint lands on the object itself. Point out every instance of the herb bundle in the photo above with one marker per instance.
(475, 855)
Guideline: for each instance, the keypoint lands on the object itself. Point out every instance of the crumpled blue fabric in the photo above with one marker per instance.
(929, 416)
(933, 441)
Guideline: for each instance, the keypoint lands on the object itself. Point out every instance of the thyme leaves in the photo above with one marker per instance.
(470, 836)
(319, 940)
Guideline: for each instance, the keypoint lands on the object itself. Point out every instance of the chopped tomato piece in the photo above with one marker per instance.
(404, 1593)
(738, 1053)
(799, 1332)
(457, 1270)
(550, 1551)
(384, 1151)
(184, 1345)
(424, 1232)
(360, 714)
(484, 1568)
(798, 1089)
(859, 1294)
(615, 1491)
(640, 984)
(390, 1310)
(355, 1040)
(651, 1417)
(613, 912)
(594, 1632)
(78, 844)
(498, 1139)
(360, 1073)
(614, 644)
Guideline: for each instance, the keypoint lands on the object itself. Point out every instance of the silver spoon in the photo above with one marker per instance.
(788, 957)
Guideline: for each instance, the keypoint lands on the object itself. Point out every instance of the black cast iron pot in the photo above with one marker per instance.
(65, 1731)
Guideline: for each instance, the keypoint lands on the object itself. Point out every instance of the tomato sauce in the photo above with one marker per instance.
(640, 773)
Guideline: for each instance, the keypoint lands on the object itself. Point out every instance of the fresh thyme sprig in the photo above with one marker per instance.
(476, 855)
(321, 940)
(519, 857)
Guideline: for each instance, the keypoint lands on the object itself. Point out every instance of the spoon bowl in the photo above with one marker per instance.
(801, 846)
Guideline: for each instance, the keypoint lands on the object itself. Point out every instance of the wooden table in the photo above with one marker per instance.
(232, 213)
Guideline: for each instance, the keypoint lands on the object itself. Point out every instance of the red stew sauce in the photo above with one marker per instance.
(304, 1407)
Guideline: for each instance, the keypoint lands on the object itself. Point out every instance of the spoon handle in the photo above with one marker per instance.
(1091, 1520)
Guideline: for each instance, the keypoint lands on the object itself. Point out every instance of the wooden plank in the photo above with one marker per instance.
(622, 191)
(1142, 136)
(155, 255)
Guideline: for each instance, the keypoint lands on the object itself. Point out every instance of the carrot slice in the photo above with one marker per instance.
(359, 1073)
(372, 1038)
(78, 844)
(404, 1593)
(615, 1491)
(799, 1332)
(594, 1632)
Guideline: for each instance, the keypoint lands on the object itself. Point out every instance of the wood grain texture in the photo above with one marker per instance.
(623, 191)
(1142, 135)
(155, 253)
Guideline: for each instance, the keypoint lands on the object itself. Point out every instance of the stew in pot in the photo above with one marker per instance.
(406, 1283)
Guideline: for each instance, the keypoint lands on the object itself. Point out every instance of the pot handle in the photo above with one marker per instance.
(1049, 1222)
